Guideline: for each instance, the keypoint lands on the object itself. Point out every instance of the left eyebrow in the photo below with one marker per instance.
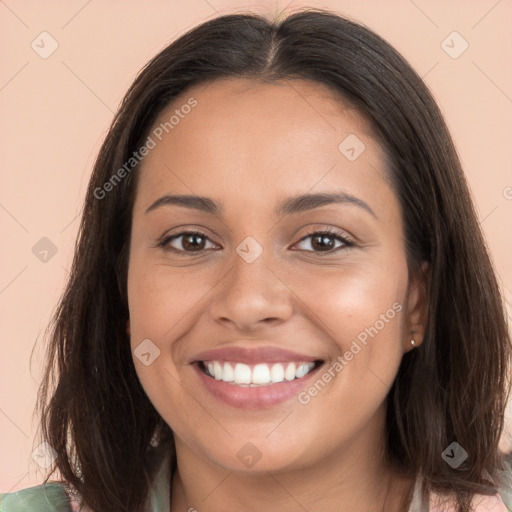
(291, 205)
(306, 202)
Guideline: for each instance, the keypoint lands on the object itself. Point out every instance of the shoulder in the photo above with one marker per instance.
(480, 503)
(49, 497)
(489, 504)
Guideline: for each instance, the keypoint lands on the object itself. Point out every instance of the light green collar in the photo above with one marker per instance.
(160, 492)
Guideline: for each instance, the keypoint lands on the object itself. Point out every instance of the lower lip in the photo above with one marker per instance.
(259, 397)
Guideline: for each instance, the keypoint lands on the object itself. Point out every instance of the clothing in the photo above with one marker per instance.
(54, 497)
(438, 504)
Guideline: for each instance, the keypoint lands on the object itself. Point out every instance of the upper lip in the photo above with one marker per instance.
(252, 355)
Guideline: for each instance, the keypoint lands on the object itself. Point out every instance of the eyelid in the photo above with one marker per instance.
(165, 239)
(346, 240)
(334, 232)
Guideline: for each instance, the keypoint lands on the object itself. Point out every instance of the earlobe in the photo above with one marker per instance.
(417, 309)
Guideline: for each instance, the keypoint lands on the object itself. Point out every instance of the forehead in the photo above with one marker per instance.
(260, 137)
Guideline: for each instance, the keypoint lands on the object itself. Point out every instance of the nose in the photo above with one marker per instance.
(251, 296)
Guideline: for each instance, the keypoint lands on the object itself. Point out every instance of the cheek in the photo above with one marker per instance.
(352, 299)
(162, 300)
(361, 309)
(362, 313)
(164, 305)
(161, 307)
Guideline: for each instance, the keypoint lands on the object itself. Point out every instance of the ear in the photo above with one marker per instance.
(417, 308)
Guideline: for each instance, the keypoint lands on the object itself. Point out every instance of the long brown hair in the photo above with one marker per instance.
(453, 388)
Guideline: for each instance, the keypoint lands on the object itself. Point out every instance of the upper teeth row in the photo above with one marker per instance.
(240, 373)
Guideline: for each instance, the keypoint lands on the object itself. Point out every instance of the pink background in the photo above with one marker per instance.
(55, 113)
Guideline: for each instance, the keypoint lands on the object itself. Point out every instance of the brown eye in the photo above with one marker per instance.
(187, 241)
(325, 241)
(193, 242)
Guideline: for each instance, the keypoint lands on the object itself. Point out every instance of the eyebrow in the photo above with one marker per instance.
(291, 205)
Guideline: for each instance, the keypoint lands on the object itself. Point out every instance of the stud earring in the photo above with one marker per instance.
(412, 343)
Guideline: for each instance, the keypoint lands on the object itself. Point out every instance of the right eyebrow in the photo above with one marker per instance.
(201, 203)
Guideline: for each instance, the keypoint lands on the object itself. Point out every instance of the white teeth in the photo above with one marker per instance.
(289, 373)
(301, 371)
(217, 370)
(277, 373)
(242, 374)
(228, 374)
(259, 375)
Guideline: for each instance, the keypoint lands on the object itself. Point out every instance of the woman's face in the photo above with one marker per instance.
(260, 293)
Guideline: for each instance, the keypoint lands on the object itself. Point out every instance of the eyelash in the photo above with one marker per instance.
(331, 232)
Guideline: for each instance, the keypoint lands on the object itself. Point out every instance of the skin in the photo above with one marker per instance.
(250, 145)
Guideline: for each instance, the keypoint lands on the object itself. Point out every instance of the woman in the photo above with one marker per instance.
(281, 297)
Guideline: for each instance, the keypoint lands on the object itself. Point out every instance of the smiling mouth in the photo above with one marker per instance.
(257, 375)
